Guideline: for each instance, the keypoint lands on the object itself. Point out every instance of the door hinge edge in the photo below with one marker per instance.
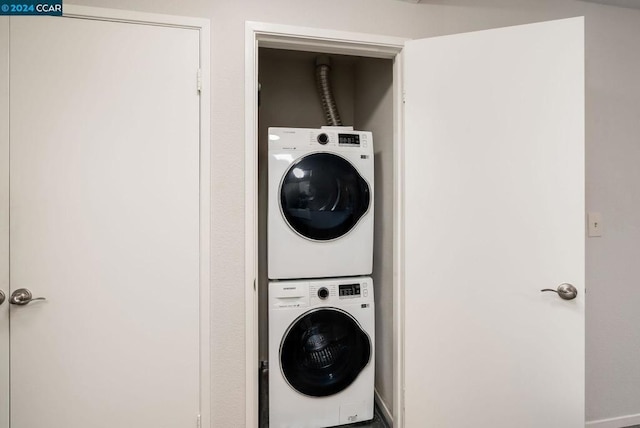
(199, 422)
(199, 80)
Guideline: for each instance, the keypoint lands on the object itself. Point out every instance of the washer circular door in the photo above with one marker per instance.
(323, 352)
(322, 196)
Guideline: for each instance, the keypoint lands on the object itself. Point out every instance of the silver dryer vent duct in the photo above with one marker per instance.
(323, 81)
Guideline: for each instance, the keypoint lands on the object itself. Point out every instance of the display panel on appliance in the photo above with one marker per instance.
(349, 140)
(349, 290)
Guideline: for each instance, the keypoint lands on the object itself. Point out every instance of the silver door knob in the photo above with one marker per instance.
(565, 290)
(22, 296)
(2, 297)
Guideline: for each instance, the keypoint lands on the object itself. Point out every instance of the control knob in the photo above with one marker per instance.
(323, 138)
(323, 293)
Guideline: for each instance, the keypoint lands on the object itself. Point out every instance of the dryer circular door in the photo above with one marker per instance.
(322, 196)
(323, 352)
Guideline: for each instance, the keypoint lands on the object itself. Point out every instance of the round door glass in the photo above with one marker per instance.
(323, 352)
(323, 197)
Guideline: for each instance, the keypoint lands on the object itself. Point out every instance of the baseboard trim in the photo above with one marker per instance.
(619, 422)
(384, 409)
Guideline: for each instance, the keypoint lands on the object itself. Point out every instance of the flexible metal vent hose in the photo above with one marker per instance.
(323, 69)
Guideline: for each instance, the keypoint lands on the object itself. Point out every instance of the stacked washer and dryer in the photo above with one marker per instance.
(320, 253)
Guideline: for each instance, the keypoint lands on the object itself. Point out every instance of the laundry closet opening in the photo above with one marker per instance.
(363, 90)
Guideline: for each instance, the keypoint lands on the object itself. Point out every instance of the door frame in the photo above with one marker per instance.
(203, 27)
(260, 34)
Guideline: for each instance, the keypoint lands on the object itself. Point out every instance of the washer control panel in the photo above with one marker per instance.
(347, 289)
(308, 293)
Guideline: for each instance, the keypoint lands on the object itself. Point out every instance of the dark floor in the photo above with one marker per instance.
(377, 422)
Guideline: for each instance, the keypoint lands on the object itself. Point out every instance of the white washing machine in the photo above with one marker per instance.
(321, 352)
(320, 203)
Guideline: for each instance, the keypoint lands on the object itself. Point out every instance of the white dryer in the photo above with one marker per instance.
(320, 203)
(321, 352)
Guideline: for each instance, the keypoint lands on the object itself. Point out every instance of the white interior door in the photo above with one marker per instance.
(104, 223)
(4, 221)
(494, 206)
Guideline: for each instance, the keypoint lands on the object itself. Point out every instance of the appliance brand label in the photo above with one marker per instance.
(289, 305)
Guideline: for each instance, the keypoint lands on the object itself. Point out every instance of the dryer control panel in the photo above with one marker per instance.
(329, 138)
(340, 139)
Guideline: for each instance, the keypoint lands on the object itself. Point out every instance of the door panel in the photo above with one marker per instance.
(104, 224)
(4, 220)
(494, 210)
(323, 352)
(323, 197)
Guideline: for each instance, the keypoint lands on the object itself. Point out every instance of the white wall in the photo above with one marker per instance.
(613, 187)
(613, 153)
